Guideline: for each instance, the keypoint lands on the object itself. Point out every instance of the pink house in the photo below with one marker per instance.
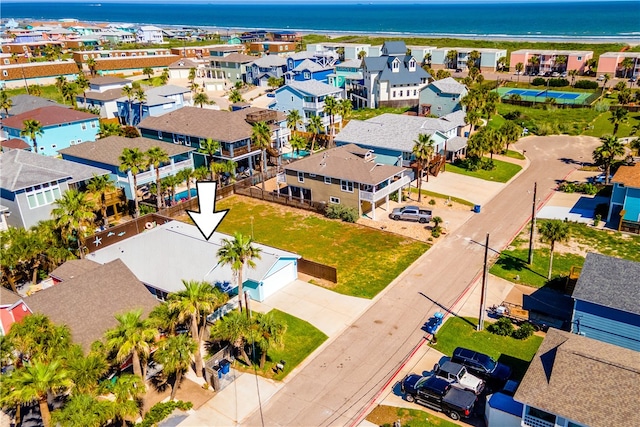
(611, 63)
(548, 60)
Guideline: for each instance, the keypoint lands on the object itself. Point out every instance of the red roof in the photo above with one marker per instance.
(48, 116)
(15, 144)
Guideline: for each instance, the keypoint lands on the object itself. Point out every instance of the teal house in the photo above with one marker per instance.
(625, 199)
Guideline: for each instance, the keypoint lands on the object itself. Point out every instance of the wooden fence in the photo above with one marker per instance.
(123, 231)
(281, 199)
(321, 271)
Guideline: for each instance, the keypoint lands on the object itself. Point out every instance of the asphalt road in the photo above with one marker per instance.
(336, 387)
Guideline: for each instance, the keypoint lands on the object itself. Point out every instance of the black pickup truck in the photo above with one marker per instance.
(438, 394)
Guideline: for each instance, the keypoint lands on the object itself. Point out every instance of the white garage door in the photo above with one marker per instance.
(279, 279)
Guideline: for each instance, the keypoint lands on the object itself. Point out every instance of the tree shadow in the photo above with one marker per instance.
(518, 366)
(446, 309)
(511, 263)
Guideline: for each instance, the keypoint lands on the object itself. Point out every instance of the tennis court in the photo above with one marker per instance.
(536, 95)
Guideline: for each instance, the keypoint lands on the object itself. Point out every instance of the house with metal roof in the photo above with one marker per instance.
(158, 101)
(163, 256)
(308, 97)
(441, 97)
(577, 381)
(61, 127)
(105, 153)
(606, 299)
(31, 183)
(102, 95)
(625, 198)
(347, 175)
(393, 79)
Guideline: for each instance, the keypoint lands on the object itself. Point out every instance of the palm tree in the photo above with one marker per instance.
(37, 338)
(73, 214)
(130, 94)
(618, 116)
(195, 303)
(186, 175)
(217, 169)
(69, 93)
(61, 81)
(210, 148)
(83, 410)
(627, 64)
(32, 128)
(170, 183)
(573, 74)
(298, 142)
(268, 334)
(607, 77)
(35, 381)
(86, 371)
(109, 129)
(534, 62)
(634, 145)
(165, 318)
(132, 337)
(141, 97)
(511, 131)
(201, 99)
(293, 119)
(605, 154)
(201, 173)
(127, 391)
(314, 126)
(553, 231)
(91, 63)
(261, 138)
(164, 77)
(235, 328)
(175, 356)
(422, 150)
(148, 71)
(345, 107)
(472, 59)
(331, 108)
(452, 59)
(133, 161)
(192, 76)
(235, 96)
(156, 156)
(5, 102)
(472, 118)
(83, 84)
(561, 62)
(238, 253)
(100, 185)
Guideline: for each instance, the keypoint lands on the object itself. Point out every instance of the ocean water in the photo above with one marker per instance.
(577, 19)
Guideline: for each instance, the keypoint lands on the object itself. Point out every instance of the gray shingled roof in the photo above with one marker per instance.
(456, 118)
(587, 381)
(609, 282)
(395, 47)
(108, 150)
(456, 143)
(24, 103)
(346, 162)
(404, 76)
(270, 61)
(375, 63)
(239, 58)
(183, 63)
(107, 80)
(8, 297)
(22, 169)
(88, 303)
(449, 85)
(310, 65)
(107, 95)
(73, 268)
(351, 63)
(314, 87)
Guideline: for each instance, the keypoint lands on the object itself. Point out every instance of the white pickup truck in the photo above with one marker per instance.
(411, 213)
(459, 377)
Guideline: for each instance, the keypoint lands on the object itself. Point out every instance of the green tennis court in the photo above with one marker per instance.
(540, 95)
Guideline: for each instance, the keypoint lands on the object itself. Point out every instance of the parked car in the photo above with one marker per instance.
(411, 213)
(632, 79)
(459, 377)
(437, 394)
(482, 365)
(564, 74)
(600, 179)
(547, 74)
(555, 74)
(600, 77)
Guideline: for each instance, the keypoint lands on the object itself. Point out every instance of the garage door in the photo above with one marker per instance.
(213, 87)
(279, 279)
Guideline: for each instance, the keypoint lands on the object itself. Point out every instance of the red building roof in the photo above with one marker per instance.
(48, 116)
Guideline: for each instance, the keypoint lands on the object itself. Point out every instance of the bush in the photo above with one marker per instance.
(162, 410)
(436, 231)
(340, 211)
(539, 81)
(586, 84)
(558, 82)
(524, 331)
(432, 202)
(502, 327)
(349, 215)
(513, 115)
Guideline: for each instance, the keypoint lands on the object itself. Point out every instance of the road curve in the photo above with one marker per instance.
(340, 381)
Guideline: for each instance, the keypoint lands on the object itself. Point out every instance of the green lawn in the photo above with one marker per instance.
(461, 332)
(503, 171)
(442, 196)
(48, 91)
(514, 154)
(367, 259)
(602, 125)
(383, 415)
(367, 113)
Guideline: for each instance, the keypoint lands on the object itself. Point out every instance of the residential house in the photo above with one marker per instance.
(232, 67)
(284, 36)
(115, 36)
(348, 175)
(346, 75)
(272, 48)
(61, 127)
(225, 50)
(36, 73)
(31, 183)
(105, 153)
(489, 58)
(307, 66)
(606, 301)
(421, 53)
(158, 101)
(165, 255)
(124, 62)
(32, 49)
(576, 381)
(149, 34)
(441, 97)
(14, 144)
(393, 79)
(84, 43)
(191, 126)
(181, 68)
(308, 97)
(12, 310)
(625, 198)
(536, 60)
(346, 51)
(102, 94)
(23, 103)
(4, 213)
(88, 302)
(612, 63)
(265, 67)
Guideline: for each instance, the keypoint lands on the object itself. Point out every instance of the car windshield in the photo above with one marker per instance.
(488, 363)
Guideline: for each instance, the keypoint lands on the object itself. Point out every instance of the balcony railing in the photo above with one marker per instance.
(531, 421)
(373, 196)
(150, 175)
(316, 105)
(237, 151)
(281, 178)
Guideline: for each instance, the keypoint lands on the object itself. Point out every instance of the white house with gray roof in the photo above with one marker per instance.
(102, 94)
(164, 256)
(441, 97)
(308, 98)
(393, 79)
(31, 183)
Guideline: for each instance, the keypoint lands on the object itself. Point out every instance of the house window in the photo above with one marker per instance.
(346, 186)
(93, 124)
(400, 93)
(415, 92)
(300, 176)
(394, 94)
(5, 73)
(85, 57)
(7, 62)
(54, 146)
(159, 134)
(307, 75)
(335, 200)
(579, 58)
(83, 126)
(41, 195)
(327, 180)
(312, 175)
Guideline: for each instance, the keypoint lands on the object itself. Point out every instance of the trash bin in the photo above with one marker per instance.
(224, 366)
(476, 208)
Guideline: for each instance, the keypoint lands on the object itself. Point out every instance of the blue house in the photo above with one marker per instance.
(347, 74)
(308, 98)
(61, 127)
(441, 97)
(625, 198)
(265, 67)
(606, 301)
(159, 101)
(310, 66)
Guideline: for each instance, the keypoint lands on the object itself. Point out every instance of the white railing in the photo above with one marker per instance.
(171, 169)
(531, 421)
(281, 178)
(232, 304)
(372, 196)
(316, 105)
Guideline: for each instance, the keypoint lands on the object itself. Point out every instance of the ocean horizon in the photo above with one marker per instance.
(579, 20)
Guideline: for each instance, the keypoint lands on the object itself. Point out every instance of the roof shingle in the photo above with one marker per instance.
(49, 116)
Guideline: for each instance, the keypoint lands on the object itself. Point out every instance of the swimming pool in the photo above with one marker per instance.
(183, 194)
(293, 156)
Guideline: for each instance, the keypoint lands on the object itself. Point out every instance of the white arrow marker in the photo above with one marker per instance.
(207, 220)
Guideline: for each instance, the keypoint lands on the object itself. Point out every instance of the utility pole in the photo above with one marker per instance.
(483, 294)
(533, 223)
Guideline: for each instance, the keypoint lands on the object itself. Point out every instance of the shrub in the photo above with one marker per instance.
(513, 115)
(349, 215)
(502, 327)
(436, 231)
(586, 84)
(596, 220)
(340, 211)
(162, 410)
(432, 202)
(488, 164)
(539, 81)
(601, 107)
(589, 188)
(471, 163)
(524, 331)
(558, 82)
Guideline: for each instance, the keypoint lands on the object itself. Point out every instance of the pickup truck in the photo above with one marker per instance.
(411, 213)
(439, 395)
(458, 376)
